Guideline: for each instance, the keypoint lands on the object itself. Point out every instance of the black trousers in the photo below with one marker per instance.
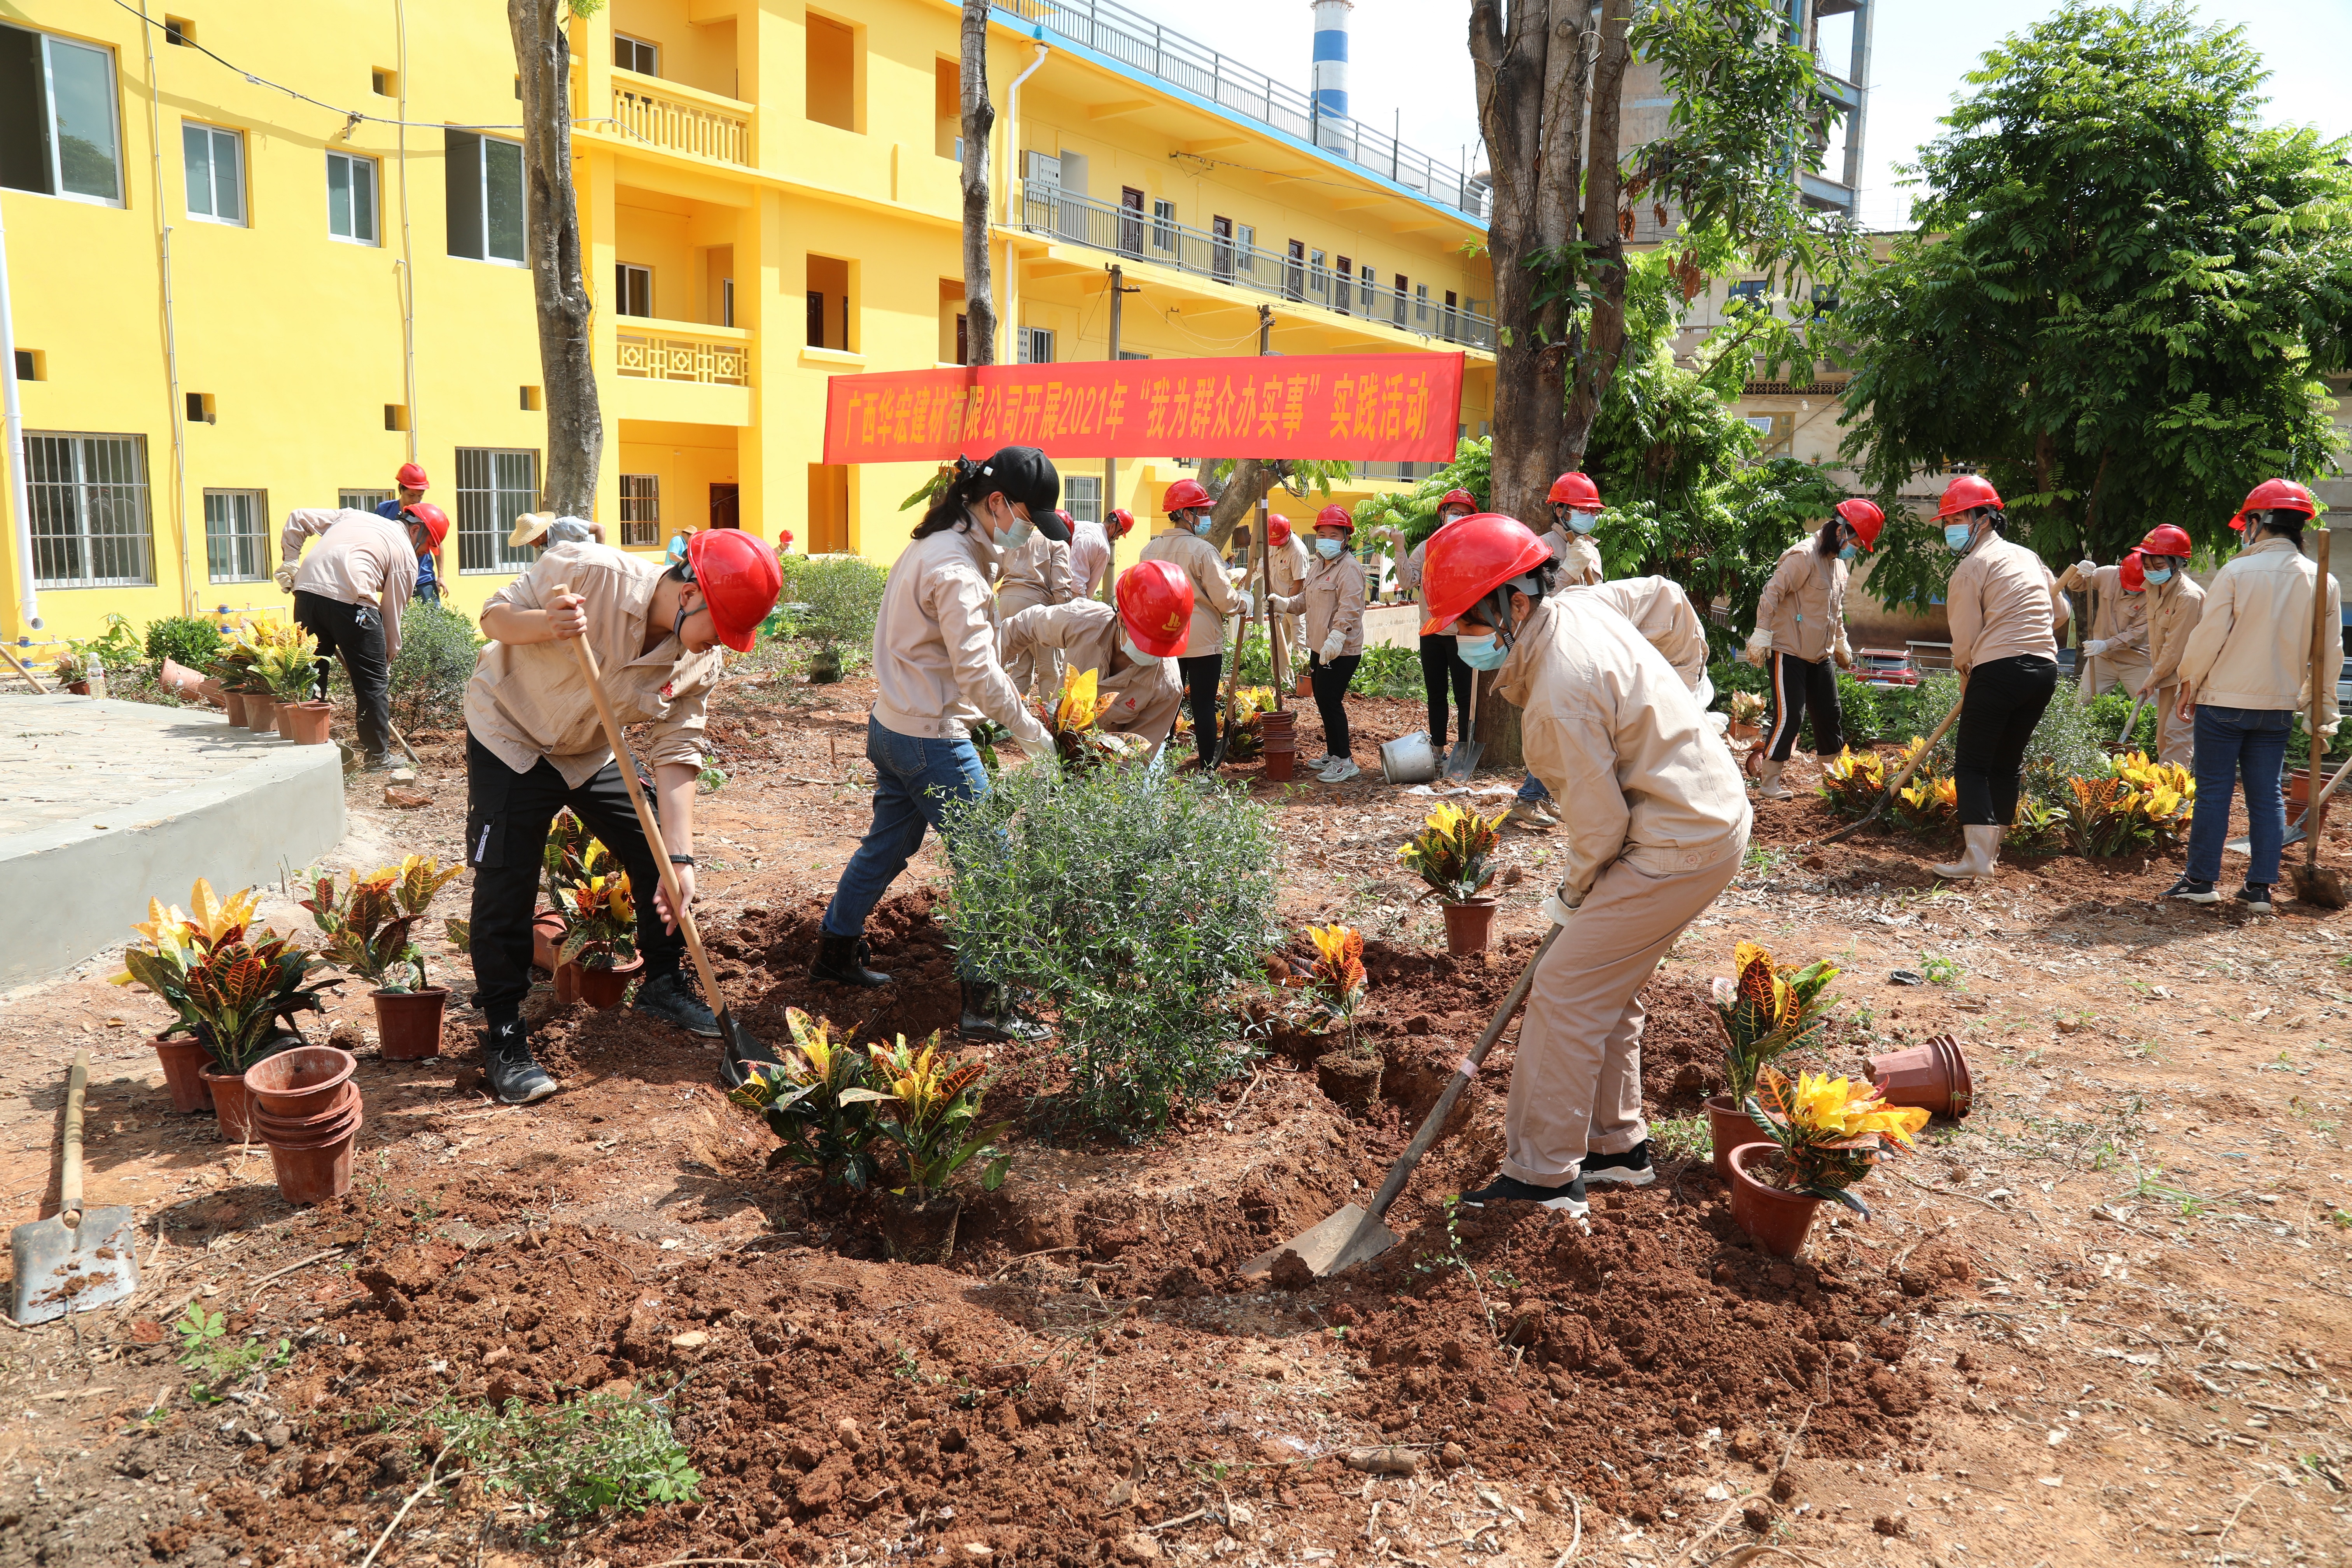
(1201, 678)
(2003, 703)
(1330, 683)
(1799, 685)
(1440, 665)
(508, 815)
(353, 633)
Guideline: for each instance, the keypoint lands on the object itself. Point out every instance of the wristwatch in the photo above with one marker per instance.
(681, 859)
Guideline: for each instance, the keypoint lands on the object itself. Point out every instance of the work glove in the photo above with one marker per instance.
(1333, 644)
(1759, 645)
(1845, 656)
(1249, 604)
(2085, 568)
(285, 575)
(2095, 647)
(1704, 693)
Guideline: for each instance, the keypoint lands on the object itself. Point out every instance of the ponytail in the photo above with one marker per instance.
(965, 484)
(1825, 542)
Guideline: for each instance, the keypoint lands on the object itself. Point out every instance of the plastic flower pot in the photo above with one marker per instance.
(1934, 1077)
(78, 687)
(1281, 760)
(546, 938)
(338, 1114)
(567, 985)
(184, 1061)
(920, 1232)
(408, 1023)
(603, 988)
(1776, 1221)
(1741, 732)
(303, 1083)
(234, 702)
(1468, 924)
(2298, 799)
(312, 1156)
(1728, 1126)
(231, 1104)
(185, 684)
(305, 723)
(282, 719)
(260, 712)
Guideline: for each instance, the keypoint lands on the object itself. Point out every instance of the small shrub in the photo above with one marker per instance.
(191, 640)
(2069, 743)
(585, 1455)
(843, 594)
(1388, 672)
(438, 648)
(2108, 711)
(1135, 905)
(818, 1103)
(1732, 675)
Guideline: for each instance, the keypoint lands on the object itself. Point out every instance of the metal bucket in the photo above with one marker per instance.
(1408, 759)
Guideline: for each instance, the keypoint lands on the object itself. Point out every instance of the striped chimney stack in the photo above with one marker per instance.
(1330, 78)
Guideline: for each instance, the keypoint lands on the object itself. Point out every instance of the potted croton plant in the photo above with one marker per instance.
(1074, 723)
(370, 924)
(1453, 854)
(160, 966)
(1766, 1011)
(292, 669)
(1825, 1133)
(600, 933)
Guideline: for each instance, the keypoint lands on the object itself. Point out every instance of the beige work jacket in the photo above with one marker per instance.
(1213, 594)
(1036, 574)
(1664, 616)
(2118, 619)
(360, 559)
(1803, 603)
(2173, 611)
(1145, 697)
(1286, 568)
(1332, 599)
(936, 669)
(1089, 559)
(1576, 557)
(2003, 603)
(531, 701)
(2251, 647)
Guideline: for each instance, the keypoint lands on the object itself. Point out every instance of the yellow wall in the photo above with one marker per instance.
(298, 337)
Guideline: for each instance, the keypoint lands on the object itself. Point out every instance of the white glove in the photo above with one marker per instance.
(1704, 693)
(1333, 644)
(1557, 908)
(1760, 643)
(2085, 568)
(285, 575)
(2095, 647)
(1249, 605)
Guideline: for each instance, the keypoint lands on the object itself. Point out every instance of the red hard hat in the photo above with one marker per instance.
(1575, 491)
(2275, 495)
(1966, 493)
(412, 478)
(739, 578)
(436, 521)
(1335, 516)
(1865, 518)
(1277, 528)
(2133, 572)
(1469, 558)
(1119, 522)
(1457, 498)
(1184, 495)
(2166, 539)
(1155, 605)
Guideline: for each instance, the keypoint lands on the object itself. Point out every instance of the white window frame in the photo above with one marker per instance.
(214, 137)
(64, 501)
(48, 114)
(1245, 247)
(355, 163)
(623, 274)
(647, 45)
(641, 511)
(480, 174)
(1318, 273)
(1082, 496)
(362, 500)
(243, 540)
(1163, 225)
(1031, 340)
(490, 495)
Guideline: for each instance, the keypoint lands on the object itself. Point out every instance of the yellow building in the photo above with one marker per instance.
(232, 298)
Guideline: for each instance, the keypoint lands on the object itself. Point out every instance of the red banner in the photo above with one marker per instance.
(1400, 407)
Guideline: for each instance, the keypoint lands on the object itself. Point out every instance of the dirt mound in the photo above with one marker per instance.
(770, 950)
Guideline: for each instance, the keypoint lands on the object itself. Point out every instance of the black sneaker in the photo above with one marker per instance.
(1631, 1169)
(1569, 1199)
(670, 999)
(2192, 892)
(2256, 897)
(989, 1015)
(515, 1078)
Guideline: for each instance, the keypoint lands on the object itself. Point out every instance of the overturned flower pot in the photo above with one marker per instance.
(546, 938)
(1934, 1077)
(1775, 1220)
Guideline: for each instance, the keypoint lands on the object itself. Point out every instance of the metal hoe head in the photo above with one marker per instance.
(63, 1268)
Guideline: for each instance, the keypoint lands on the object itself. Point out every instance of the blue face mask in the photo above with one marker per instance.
(2160, 573)
(1482, 653)
(1330, 549)
(1202, 525)
(1848, 553)
(1583, 522)
(1956, 536)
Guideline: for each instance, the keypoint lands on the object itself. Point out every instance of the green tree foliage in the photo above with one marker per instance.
(2119, 300)
(437, 646)
(843, 595)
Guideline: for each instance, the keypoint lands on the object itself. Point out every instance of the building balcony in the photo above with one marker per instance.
(681, 371)
(646, 112)
(1048, 211)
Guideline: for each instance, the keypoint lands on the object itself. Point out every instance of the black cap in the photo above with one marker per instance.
(1027, 475)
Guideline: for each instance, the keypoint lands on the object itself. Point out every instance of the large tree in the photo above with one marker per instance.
(2119, 299)
(567, 366)
(979, 120)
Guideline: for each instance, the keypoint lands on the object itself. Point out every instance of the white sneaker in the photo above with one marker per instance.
(1317, 764)
(1340, 770)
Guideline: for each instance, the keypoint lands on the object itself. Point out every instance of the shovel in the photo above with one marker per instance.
(2314, 883)
(76, 1261)
(1463, 760)
(1354, 1235)
(2297, 829)
(742, 1051)
(1851, 828)
(2124, 743)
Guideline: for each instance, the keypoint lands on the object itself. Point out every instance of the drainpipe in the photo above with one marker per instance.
(177, 407)
(1012, 172)
(27, 602)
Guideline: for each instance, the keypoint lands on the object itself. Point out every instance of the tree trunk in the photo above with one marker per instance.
(979, 120)
(576, 425)
(1511, 54)
(1604, 341)
(1250, 482)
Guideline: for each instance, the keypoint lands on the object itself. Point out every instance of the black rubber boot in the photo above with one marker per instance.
(669, 998)
(840, 961)
(515, 1078)
(988, 1014)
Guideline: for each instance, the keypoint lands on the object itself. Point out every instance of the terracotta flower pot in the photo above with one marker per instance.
(1730, 1127)
(921, 1233)
(234, 702)
(260, 712)
(305, 723)
(312, 1156)
(1934, 1077)
(340, 1111)
(1468, 924)
(231, 1103)
(2298, 798)
(1776, 1221)
(212, 691)
(603, 988)
(408, 1023)
(303, 1083)
(1281, 761)
(184, 1062)
(78, 687)
(567, 985)
(1739, 731)
(181, 682)
(546, 938)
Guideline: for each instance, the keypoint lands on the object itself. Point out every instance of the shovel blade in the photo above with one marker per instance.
(1325, 1247)
(64, 1268)
(1463, 760)
(744, 1052)
(2294, 835)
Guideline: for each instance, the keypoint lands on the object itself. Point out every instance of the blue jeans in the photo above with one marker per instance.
(914, 778)
(2234, 743)
(1532, 788)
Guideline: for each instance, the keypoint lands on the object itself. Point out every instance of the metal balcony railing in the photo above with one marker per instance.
(1110, 29)
(1123, 231)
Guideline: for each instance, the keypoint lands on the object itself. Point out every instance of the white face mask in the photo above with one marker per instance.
(1012, 535)
(1127, 645)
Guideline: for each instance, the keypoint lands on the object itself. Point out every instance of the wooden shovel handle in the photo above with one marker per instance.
(70, 1174)
(2318, 662)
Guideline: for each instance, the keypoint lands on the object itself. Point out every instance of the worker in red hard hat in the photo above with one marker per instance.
(1185, 544)
(1287, 563)
(409, 485)
(1800, 637)
(2111, 651)
(1576, 510)
(1130, 649)
(1661, 821)
(1332, 602)
(2248, 668)
(349, 593)
(2006, 614)
(1442, 669)
(2174, 605)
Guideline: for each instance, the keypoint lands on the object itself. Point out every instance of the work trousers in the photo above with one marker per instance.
(1576, 1087)
(2111, 673)
(1441, 667)
(2234, 743)
(915, 778)
(1800, 685)
(1330, 683)
(2004, 701)
(2176, 738)
(1034, 666)
(508, 815)
(428, 592)
(1200, 676)
(353, 633)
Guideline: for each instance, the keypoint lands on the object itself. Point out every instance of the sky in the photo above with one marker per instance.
(1413, 56)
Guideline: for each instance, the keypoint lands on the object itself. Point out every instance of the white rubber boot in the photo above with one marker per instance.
(1768, 781)
(1976, 860)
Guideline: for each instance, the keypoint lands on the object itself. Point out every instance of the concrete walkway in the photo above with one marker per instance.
(108, 803)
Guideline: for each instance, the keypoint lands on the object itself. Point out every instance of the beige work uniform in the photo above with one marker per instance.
(2119, 620)
(1803, 605)
(530, 701)
(1667, 619)
(1145, 697)
(1661, 819)
(2000, 606)
(1332, 599)
(2173, 610)
(362, 559)
(1036, 574)
(1286, 572)
(1213, 594)
(936, 672)
(2251, 647)
(1089, 559)
(1576, 558)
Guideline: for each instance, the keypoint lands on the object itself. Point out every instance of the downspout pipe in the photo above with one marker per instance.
(19, 511)
(1012, 290)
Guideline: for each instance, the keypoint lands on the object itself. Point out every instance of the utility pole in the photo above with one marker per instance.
(1118, 289)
